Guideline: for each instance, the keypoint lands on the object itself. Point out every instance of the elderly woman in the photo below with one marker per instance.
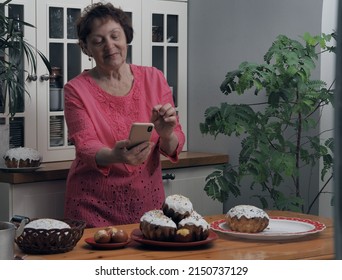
(109, 184)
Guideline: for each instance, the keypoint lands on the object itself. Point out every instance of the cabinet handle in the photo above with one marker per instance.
(169, 176)
(45, 77)
(32, 78)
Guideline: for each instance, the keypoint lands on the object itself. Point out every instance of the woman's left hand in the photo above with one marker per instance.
(164, 118)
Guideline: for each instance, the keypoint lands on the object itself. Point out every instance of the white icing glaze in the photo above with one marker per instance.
(179, 203)
(195, 219)
(22, 153)
(47, 224)
(157, 217)
(248, 211)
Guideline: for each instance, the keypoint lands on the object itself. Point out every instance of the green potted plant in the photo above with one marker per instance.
(279, 135)
(14, 50)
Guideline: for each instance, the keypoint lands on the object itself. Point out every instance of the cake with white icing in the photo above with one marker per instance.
(47, 223)
(22, 157)
(247, 218)
(154, 225)
(176, 221)
(192, 228)
(177, 207)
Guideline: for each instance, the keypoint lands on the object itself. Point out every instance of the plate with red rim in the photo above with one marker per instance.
(137, 236)
(279, 228)
(90, 241)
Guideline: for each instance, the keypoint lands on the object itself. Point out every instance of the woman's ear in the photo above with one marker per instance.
(84, 48)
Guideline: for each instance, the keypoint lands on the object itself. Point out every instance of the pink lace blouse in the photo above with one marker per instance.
(117, 194)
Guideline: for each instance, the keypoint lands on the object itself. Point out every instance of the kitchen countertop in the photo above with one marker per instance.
(59, 170)
(316, 246)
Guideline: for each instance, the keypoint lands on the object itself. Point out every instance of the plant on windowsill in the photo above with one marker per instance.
(279, 136)
(14, 51)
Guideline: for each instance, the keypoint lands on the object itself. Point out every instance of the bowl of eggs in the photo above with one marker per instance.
(108, 238)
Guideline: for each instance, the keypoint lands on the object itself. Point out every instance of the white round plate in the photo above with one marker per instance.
(279, 228)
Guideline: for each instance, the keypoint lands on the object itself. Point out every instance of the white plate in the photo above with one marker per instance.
(279, 228)
(20, 169)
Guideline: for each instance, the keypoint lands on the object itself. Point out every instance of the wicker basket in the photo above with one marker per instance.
(51, 241)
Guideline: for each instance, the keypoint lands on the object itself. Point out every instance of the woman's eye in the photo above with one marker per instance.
(97, 42)
(115, 37)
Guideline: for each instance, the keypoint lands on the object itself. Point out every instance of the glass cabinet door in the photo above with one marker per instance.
(65, 59)
(19, 134)
(58, 37)
(165, 48)
(164, 45)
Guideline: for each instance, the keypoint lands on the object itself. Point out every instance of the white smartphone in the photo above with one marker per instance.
(140, 132)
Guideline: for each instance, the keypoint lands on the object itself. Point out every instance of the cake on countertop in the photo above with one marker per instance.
(22, 157)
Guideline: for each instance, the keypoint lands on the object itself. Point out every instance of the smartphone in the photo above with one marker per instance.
(140, 132)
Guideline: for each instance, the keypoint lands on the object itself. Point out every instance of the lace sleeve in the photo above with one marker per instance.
(168, 98)
(81, 130)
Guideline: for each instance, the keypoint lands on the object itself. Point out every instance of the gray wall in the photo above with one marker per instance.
(222, 34)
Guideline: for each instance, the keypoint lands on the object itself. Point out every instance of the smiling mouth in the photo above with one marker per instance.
(111, 55)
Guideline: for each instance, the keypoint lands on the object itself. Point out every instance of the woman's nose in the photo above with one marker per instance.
(108, 43)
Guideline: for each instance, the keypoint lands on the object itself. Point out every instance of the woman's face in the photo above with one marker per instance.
(107, 44)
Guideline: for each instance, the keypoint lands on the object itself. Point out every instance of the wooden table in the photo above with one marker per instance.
(316, 246)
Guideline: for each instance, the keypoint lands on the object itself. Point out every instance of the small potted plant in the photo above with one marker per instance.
(279, 135)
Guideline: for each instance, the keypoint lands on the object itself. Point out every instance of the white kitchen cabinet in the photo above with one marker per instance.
(160, 40)
(164, 29)
(190, 182)
(57, 39)
(33, 200)
(39, 123)
(22, 128)
(46, 198)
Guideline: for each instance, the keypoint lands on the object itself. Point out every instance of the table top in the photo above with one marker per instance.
(313, 246)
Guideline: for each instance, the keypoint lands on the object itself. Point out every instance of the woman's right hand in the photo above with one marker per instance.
(134, 156)
(120, 154)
